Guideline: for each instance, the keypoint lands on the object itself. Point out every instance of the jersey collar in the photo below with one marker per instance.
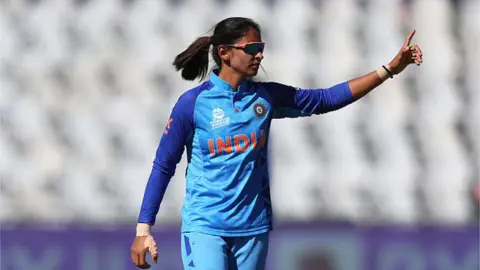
(223, 85)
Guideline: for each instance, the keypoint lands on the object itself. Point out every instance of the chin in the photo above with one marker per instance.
(252, 72)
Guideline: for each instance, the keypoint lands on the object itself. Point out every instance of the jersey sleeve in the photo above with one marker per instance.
(291, 102)
(169, 153)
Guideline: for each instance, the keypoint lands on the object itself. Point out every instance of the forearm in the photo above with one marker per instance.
(154, 192)
(361, 86)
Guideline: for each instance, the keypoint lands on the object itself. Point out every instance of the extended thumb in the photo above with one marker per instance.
(151, 246)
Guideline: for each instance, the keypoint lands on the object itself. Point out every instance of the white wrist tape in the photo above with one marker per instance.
(382, 73)
(143, 229)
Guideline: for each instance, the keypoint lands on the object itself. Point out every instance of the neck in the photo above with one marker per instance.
(233, 78)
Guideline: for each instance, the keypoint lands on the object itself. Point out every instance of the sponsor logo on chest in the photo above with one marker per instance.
(219, 119)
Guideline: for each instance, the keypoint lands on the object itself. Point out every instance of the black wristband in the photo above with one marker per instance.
(388, 71)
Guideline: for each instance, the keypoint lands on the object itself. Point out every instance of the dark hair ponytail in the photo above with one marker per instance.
(194, 60)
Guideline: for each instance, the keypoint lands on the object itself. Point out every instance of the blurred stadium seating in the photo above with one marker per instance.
(391, 182)
(87, 85)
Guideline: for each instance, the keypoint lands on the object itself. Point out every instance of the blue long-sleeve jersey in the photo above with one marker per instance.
(226, 133)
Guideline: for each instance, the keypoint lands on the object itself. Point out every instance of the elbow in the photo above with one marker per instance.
(164, 167)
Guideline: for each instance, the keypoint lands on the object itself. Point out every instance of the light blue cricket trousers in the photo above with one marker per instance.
(209, 252)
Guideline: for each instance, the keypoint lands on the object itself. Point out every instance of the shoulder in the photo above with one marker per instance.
(273, 86)
(276, 90)
(190, 96)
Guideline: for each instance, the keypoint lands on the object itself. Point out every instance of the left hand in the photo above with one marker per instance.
(407, 55)
(140, 247)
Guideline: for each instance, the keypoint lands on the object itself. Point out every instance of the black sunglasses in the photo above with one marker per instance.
(250, 48)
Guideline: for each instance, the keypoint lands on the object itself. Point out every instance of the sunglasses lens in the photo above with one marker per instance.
(254, 48)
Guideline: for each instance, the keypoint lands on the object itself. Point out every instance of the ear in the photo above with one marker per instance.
(223, 52)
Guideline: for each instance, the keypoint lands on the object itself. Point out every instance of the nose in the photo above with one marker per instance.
(259, 55)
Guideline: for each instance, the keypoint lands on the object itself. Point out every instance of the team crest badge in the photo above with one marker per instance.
(259, 110)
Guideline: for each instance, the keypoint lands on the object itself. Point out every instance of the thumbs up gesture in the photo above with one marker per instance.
(408, 54)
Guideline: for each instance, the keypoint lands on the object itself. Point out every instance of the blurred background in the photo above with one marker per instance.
(390, 182)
